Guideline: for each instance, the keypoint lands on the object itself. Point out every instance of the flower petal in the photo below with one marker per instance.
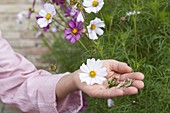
(100, 80)
(92, 9)
(99, 31)
(87, 3)
(91, 63)
(100, 24)
(84, 78)
(88, 10)
(73, 40)
(42, 22)
(98, 64)
(93, 35)
(67, 31)
(49, 8)
(88, 81)
(84, 68)
(93, 81)
(68, 37)
(50, 20)
(102, 72)
(100, 1)
(71, 24)
(78, 36)
(89, 28)
(99, 7)
(53, 13)
(79, 25)
(42, 13)
(80, 17)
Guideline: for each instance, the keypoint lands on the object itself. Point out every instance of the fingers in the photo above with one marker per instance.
(135, 75)
(130, 90)
(119, 67)
(106, 93)
(113, 92)
(102, 91)
(138, 84)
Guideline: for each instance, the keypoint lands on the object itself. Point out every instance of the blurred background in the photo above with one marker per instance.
(20, 36)
(19, 32)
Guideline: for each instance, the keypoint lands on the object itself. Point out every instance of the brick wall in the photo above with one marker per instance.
(21, 37)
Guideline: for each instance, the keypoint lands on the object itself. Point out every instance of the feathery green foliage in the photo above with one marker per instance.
(143, 41)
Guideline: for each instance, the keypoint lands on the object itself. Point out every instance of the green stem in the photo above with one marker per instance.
(51, 49)
(135, 40)
(126, 55)
(80, 42)
(59, 22)
(96, 47)
(61, 17)
(113, 51)
(83, 45)
(46, 44)
(110, 25)
(99, 50)
(135, 35)
(107, 32)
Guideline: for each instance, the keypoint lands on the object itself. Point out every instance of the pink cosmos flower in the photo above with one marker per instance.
(74, 32)
(75, 14)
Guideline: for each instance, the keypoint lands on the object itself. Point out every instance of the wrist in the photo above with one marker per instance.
(76, 79)
(66, 85)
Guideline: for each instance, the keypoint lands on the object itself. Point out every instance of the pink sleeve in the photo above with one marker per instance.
(31, 90)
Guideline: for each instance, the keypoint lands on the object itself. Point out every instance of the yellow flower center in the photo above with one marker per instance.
(93, 26)
(92, 74)
(48, 16)
(75, 30)
(95, 3)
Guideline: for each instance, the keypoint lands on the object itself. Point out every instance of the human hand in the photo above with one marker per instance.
(116, 69)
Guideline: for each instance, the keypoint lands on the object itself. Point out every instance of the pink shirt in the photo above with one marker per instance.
(31, 90)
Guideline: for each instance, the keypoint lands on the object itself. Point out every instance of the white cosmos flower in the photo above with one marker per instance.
(93, 72)
(95, 28)
(93, 5)
(47, 14)
(132, 13)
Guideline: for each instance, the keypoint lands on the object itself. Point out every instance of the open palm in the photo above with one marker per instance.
(119, 70)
